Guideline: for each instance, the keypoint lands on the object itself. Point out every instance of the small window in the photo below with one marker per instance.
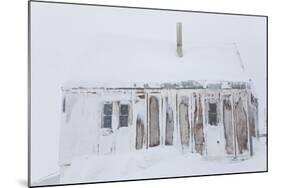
(107, 116)
(124, 115)
(213, 114)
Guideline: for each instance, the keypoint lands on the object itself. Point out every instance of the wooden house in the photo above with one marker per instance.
(196, 98)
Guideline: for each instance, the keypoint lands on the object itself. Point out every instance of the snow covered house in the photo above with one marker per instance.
(196, 98)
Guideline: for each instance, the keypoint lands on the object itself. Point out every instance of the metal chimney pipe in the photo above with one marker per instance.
(179, 39)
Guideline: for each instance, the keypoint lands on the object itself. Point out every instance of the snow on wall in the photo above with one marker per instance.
(140, 120)
(78, 136)
(153, 119)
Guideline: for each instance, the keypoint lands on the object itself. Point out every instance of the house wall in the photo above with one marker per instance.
(157, 117)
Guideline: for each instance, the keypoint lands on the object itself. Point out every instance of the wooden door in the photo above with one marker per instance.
(106, 134)
(215, 129)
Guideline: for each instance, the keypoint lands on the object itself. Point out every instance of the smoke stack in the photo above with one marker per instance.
(179, 39)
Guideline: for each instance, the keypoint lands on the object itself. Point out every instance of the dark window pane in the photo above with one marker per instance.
(107, 121)
(213, 108)
(213, 119)
(212, 113)
(107, 109)
(124, 109)
(123, 121)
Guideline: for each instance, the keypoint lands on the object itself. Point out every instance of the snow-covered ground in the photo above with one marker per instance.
(156, 163)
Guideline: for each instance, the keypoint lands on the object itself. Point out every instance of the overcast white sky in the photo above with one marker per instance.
(61, 43)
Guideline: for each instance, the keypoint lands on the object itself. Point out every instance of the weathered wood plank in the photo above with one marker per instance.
(198, 126)
(252, 121)
(169, 124)
(139, 133)
(184, 122)
(154, 130)
(228, 127)
(241, 127)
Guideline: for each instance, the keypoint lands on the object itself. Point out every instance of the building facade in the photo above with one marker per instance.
(216, 120)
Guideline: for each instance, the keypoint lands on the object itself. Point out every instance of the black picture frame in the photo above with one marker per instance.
(130, 7)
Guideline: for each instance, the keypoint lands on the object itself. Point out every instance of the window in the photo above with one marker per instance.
(124, 115)
(213, 114)
(107, 115)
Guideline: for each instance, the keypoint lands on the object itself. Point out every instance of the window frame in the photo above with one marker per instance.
(106, 115)
(125, 115)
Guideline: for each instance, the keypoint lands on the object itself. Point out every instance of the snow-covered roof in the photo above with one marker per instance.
(120, 59)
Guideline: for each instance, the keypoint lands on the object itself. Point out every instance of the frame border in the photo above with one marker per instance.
(143, 8)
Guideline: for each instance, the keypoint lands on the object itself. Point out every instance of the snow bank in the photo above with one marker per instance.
(158, 162)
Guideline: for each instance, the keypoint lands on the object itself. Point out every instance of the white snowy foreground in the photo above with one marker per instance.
(156, 163)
